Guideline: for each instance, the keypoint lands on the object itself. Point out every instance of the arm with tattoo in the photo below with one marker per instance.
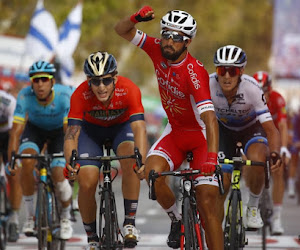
(71, 140)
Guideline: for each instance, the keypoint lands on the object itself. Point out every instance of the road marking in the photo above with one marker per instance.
(158, 241)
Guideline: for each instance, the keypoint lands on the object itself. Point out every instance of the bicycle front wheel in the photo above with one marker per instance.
(105, 219)
(42, 217)
(234, 229)
(4, 204)
(54, 223)
(192, 238)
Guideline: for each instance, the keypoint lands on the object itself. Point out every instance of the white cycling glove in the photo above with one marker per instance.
(284, 150)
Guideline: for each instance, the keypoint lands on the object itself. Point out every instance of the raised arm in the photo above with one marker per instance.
(126, 26)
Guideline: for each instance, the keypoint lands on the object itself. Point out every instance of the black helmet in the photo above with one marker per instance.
(100, 64)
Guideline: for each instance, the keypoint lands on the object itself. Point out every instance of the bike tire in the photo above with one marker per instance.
(54, 223)
(42, 220)
(3, 213)
(106, 217)
(232, 218)
(190, 223)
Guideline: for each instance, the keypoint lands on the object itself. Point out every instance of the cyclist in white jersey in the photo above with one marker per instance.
(7, 107)
(243, 116)
(184, 90)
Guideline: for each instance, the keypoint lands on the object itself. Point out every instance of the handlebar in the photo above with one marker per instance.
(181, 173)
(46, 157)
(137, 156)
(238, 161)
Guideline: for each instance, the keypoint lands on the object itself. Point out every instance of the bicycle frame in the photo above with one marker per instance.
(191, 226)
(110, 233)
(47, 218)
(234, 230)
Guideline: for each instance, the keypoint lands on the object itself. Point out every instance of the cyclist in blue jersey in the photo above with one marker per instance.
(40, 119)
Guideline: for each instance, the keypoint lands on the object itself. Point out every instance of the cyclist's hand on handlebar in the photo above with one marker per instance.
(140, 172)
(69, 172)
(9, 170)
(276, 161)
(145, 14)
(208, 168)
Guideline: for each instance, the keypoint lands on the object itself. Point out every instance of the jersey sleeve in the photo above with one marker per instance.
(21, 108)
(76, 112)
(146, 42)
(281, 109)
(260, 104)
(199, 85)
(136, 109)
(68, 93)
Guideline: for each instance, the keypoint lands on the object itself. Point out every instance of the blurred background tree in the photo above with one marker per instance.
(245, 23)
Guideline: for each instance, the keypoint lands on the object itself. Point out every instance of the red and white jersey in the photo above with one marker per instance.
(125, 105)
(183, 87)
(276, 105)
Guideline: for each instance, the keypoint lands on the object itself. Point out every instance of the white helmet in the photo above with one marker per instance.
(180, 21)
(230, 55)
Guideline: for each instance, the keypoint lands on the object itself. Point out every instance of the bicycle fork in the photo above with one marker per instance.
(43, 180)
(186, 185)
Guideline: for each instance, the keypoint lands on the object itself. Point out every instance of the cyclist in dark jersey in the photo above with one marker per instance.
(40, 118)
(106, 106)
(184, 90)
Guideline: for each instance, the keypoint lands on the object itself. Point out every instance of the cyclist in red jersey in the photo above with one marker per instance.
(276, 105)
(105, 106)
(184, 90)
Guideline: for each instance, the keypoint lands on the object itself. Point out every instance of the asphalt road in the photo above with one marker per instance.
(154, 226)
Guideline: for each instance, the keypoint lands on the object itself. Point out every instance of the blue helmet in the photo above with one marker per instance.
(42, 67)
(100, 64)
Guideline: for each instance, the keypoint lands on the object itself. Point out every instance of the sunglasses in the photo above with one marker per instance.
(176, 37)
(97, 81)
(43, 78)
(233, 71)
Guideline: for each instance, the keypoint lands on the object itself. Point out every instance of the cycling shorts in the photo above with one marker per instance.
(228, 139)
(92, 137)
(173, 146)
(4, 136)
(35, 138)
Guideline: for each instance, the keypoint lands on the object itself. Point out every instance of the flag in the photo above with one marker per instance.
(69, 35)
(69, 32)
(42, 38)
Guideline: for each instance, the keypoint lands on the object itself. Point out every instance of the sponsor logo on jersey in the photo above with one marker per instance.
(165, 84)
(107, 115)
(193, 76)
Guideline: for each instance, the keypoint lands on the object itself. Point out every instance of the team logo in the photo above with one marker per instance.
(193, 76)
(163, 64)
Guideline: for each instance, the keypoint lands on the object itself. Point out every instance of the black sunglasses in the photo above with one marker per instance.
(97, 81)
(176, 37)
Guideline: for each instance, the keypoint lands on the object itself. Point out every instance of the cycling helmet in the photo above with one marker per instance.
(230, 55)
(180, 21)
(264, 80)
(42, 67)
(100, 64)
